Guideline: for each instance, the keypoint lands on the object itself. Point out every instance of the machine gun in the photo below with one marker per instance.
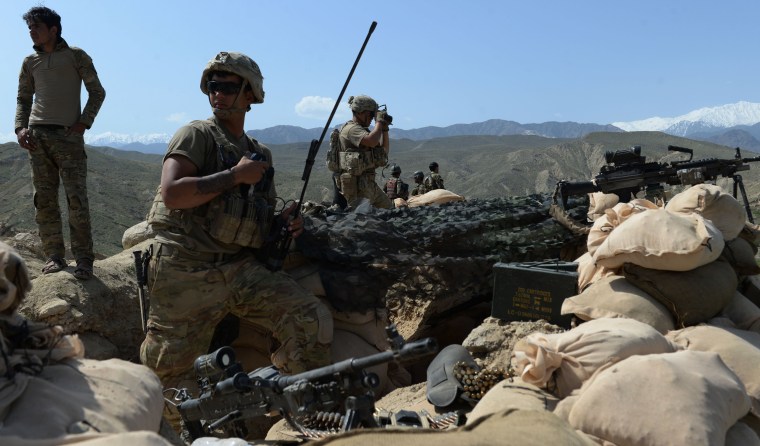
(276, 251)
(229, 395)
(627, 173)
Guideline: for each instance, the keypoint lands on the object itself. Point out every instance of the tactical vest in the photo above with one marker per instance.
(241, 215)
(391, 188)
(357, 161)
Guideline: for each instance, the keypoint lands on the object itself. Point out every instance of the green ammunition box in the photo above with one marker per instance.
(534, 290)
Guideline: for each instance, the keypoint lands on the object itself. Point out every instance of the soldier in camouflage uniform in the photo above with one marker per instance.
(419, 185)
(362, 151)
(50, 126)
(212, 212)
(434, 180)
(395, 186)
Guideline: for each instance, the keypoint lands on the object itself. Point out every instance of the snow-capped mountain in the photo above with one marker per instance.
(700, 122)
(117, 140)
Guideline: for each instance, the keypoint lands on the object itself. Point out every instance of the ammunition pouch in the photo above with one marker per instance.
(357, 163)
(347, 183)
(243, 221)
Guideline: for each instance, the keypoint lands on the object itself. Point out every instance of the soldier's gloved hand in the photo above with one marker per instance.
(247, 171)
(384, 117)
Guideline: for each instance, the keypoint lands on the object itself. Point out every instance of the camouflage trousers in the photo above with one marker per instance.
(188, 298)
(354, 188)
(61, 158)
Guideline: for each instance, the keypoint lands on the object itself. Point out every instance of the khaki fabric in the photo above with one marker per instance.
(437, 196)
(615, 297)
(14, 279)
(612, 218)
(82, 396)
(739, 350)
(681, 398)
(660, 239)
(740, 254)
(139, 438)
(742, 313)
(513, 393)
(589, 272)
(600, 202)
(691, 296)
(506, 428)
(741, 434)
(563, 362)
(712, 203)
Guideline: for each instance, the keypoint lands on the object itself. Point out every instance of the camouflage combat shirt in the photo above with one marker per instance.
(50, 85)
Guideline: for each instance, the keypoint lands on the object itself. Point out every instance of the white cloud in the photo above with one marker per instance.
(317, 107)
(177, 117)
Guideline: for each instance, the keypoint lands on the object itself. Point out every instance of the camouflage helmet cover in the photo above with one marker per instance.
(418, 175)
(362, 103)
(240, 64)
(395, 169)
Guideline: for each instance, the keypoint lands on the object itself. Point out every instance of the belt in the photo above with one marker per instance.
(47, 126)
(176, 253)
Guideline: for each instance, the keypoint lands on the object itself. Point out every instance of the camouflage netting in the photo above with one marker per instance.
(421, 262)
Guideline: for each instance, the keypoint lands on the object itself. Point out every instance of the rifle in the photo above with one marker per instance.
(627, 173)
(141, 273)
(274, 258)
(230, 395)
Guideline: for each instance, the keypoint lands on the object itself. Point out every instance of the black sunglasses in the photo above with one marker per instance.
(223, 87)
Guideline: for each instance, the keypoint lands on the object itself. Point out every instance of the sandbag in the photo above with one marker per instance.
(740, 254)
(507, 428)
(691, 296)
(84, 396)
(750, 288)
(660, 239)
(589, 272)
(742, 313)
(711, 202)
(139, 438)
(512, 393)
(598, 202)
(741, 434)
(681, 398)
(613, 218)
(436, 196)
(566, 360)
(739, 350)
(615, 297)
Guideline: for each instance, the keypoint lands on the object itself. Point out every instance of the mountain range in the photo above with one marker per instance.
(736, 124)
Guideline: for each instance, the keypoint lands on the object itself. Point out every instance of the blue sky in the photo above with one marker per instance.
(434, 63)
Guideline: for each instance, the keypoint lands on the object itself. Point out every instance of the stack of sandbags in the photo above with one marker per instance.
(671, 266)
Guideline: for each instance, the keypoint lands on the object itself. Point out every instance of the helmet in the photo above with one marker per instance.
(419, 175)
(395, 169)
(433, 165)
(362, 103)
(240, 64)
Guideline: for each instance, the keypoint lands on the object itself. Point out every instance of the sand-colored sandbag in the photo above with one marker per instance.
(589, 272)
(692, 296)
(138, 438)
(742, 313)
(709, 200)
(753, 421)
(612, 218)
(436, 196)
(563, 362)
(681, 398)
(83, 395)
(512, 393)
(598, 202)
(400, 203)
(660, 239)
(740, 254)
(739, 350)
(507, 428)
(741, 434)
(750, 288)
(615, 297)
